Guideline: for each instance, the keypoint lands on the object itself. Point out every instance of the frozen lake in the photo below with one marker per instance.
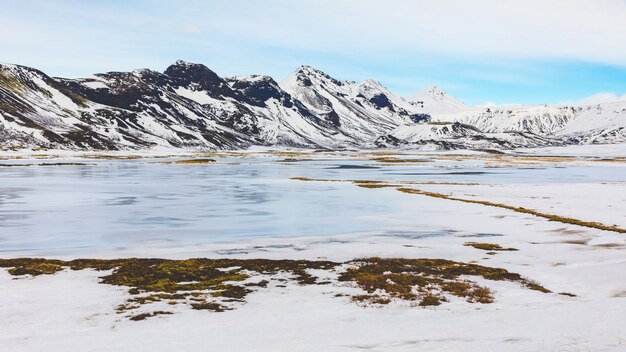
(112, 205)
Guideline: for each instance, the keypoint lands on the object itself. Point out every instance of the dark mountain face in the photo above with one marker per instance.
(184, 74)
(380, 101)
(256, 90)
(420, 117)
(125, 89)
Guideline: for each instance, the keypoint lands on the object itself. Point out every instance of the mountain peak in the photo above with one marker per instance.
(429, 92)
(309, 71)
(433, 99)
(185, 63)
(306, 75)
(372, 83)
(250, 78)
(183, 66)
(186, 72)
(435, 91)
(6, 66)
(16, 69)
(306, 69)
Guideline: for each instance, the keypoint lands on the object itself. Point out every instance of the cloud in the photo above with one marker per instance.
(570, 29)
(190, 29)
(481, 29)
(602, 97)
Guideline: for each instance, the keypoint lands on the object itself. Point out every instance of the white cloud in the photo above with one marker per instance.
(570, 29)
(190, 28)
(602, 97)
(488, 104)
(487, 29)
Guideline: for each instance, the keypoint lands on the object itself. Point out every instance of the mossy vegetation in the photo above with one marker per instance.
(395, 183)
(212, 306)
(391, 160)
(219, 284)
(302, 179)
(617, 160)
(426, 282)
(488, 246)
(35, 267)
(373, 184)
(533, 285)
(291, 160)
(191, 161)
(46, 164)
(209, 284)
(286, 153)
(111, 157)
(144, 316)
(11, 82)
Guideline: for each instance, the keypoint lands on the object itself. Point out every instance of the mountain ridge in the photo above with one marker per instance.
(190, 106)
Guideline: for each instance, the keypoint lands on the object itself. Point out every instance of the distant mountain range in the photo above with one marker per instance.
(190, 106)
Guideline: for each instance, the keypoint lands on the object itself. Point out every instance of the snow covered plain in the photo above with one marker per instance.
(248, 205)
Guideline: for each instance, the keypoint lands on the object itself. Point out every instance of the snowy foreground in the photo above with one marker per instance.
(72, 311)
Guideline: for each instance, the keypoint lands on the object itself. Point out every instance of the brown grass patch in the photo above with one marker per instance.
(488, 246)
(425, 281)
(390, 160)
(47, 164)
(144, 316)
(193, 161)
(216, 284)
(149, 281)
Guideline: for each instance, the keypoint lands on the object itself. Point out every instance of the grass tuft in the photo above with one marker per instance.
(144, 316)
(396, 160)
(488, 246)
(193, 161)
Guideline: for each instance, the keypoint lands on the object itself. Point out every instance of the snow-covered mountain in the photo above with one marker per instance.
(190, 106)
(600, 123)
(456, 135)
(357, 111)
(432, 100)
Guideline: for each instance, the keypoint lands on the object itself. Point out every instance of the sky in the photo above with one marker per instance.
(480, 51)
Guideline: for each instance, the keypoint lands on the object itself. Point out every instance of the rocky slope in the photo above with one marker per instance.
(190, 106)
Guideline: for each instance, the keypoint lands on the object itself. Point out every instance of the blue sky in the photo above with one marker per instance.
(498, 51)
